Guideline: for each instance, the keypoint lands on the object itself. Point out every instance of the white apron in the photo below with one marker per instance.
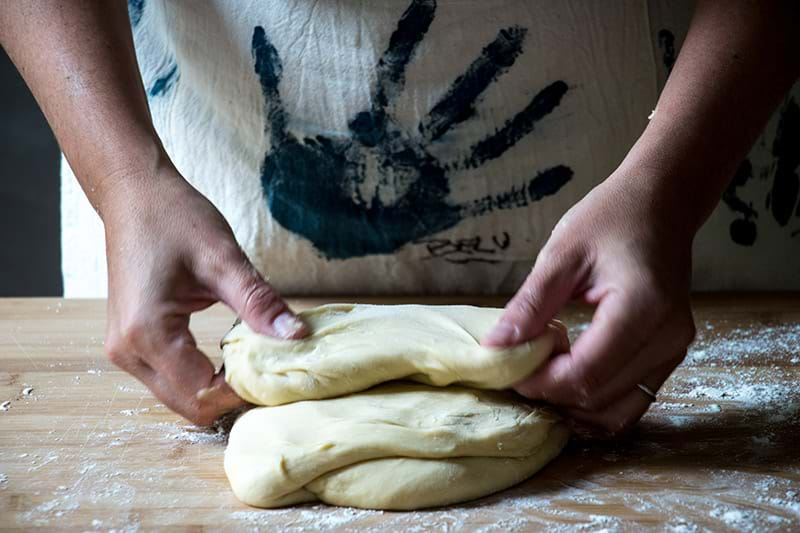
(414, 146)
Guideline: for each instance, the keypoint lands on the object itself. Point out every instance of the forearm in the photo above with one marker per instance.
(79, 61)
(737, 62)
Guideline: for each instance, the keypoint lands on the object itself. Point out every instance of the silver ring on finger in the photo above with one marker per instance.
(650, 393)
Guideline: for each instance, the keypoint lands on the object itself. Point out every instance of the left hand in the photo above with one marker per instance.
(622, 251)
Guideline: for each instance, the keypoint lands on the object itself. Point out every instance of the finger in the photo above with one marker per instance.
(667, 347)
(549, 286)
(626, 411)
(131, 364)
(616, 334)
(256, 301)
(183, 377)
(203, 407)
(220, 397)
(559, 329)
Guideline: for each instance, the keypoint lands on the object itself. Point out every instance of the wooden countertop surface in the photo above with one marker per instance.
(85, 447)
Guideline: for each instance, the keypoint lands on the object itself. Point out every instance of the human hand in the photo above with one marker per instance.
(623, 251)
(171, 253)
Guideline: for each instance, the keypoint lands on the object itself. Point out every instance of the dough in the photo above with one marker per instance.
(397, 446)
(354, 347)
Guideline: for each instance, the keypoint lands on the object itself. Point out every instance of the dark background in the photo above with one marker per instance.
(30, 248)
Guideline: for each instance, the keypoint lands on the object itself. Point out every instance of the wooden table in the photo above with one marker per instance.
(88, 448)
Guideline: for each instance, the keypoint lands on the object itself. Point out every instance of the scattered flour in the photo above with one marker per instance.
(318, 517)
(92, 465)
(673, 406)
(680, 526)
(43, 514)
(733, 517)
(133, 412)
(743, 344)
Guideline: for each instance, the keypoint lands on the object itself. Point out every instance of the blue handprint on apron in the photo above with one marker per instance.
(319, 187)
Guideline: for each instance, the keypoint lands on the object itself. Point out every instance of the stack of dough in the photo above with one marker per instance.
(342, 428)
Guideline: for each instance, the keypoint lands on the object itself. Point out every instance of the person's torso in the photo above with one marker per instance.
(415, 146)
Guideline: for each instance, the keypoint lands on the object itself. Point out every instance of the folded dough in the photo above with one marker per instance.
(397, 446)
(354, 347)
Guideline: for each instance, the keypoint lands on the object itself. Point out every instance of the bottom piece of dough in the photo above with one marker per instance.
(397, 446)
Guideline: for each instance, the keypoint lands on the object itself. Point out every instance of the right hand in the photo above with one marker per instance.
(171, 253)
(621, 250)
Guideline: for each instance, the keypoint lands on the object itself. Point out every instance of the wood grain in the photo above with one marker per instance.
(90, 449)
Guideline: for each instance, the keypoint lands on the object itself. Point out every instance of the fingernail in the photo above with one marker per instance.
(288, 326)
(503, 333)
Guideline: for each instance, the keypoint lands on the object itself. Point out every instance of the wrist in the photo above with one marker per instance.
(658, 201)
(129, 181)
(672, 181)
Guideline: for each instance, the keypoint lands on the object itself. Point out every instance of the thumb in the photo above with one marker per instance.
(548, 287)
(257, 302)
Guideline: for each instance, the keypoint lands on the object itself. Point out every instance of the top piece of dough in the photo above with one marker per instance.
(353, 347)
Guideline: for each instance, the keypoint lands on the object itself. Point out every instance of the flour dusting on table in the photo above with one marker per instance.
(686, 483)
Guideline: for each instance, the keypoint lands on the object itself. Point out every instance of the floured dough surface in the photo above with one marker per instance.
(397, 446)
(354, 347)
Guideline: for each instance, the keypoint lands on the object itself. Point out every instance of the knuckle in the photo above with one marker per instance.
(556, 254)
(117, 351)
(226, 254)
(261, 298)
(592, 402)
(224, 261)
(527, 305)
(586, 384)
(122, 341)
(116, 354)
